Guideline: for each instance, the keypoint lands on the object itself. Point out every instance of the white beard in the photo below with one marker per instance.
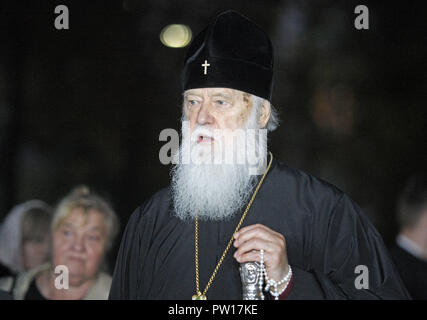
(211, 189)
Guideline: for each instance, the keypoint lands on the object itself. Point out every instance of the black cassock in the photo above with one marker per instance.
(327, 237)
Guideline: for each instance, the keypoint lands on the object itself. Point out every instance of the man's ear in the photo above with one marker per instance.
(264, 114)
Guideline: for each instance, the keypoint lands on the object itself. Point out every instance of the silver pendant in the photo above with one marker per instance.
(250, 275)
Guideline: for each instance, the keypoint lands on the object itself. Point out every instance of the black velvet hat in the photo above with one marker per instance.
(231, 52)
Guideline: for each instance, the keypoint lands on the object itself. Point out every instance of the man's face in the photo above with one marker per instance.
(217, 108)
(219, 148)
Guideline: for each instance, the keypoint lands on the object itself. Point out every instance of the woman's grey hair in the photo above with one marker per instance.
(81, 197)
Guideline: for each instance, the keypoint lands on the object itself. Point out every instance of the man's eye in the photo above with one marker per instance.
(192, 102)
(221, 102)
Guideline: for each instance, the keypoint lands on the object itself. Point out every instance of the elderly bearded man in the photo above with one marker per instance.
(188, 240)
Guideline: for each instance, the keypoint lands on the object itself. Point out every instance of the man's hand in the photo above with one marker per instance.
(251, 239)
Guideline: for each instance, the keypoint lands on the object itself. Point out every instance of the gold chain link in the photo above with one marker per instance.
(196, 238)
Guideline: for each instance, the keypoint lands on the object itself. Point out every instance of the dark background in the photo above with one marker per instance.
(86, 105)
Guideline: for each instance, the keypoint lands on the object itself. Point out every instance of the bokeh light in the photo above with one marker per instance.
(176, 35)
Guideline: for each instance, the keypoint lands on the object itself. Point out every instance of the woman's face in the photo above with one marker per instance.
(35, 252)
(79, 243)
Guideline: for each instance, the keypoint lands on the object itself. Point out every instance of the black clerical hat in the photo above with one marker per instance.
(231, 52)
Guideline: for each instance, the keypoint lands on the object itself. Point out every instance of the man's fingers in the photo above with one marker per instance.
(254, 233)
(251, 227)
(258, 231)
(256, 244)
(250, 256)
(254, 255)
(255, 227)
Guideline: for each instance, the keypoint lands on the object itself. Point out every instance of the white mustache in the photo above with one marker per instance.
(205, 132)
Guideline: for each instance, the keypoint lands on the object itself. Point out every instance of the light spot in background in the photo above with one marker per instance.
(176, 35)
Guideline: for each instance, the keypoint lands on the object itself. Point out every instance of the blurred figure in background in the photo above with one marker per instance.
(83, 230)
(410, 250)
(24, 237)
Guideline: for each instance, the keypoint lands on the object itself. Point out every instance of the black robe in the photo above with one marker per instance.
(413, 271)
(326, 233)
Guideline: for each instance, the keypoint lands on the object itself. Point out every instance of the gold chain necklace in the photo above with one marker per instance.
(202, 296)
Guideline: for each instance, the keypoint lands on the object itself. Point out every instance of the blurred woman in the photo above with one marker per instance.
(24, 237)
(83, 230)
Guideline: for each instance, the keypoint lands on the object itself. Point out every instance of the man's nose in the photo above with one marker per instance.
(204, 116)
